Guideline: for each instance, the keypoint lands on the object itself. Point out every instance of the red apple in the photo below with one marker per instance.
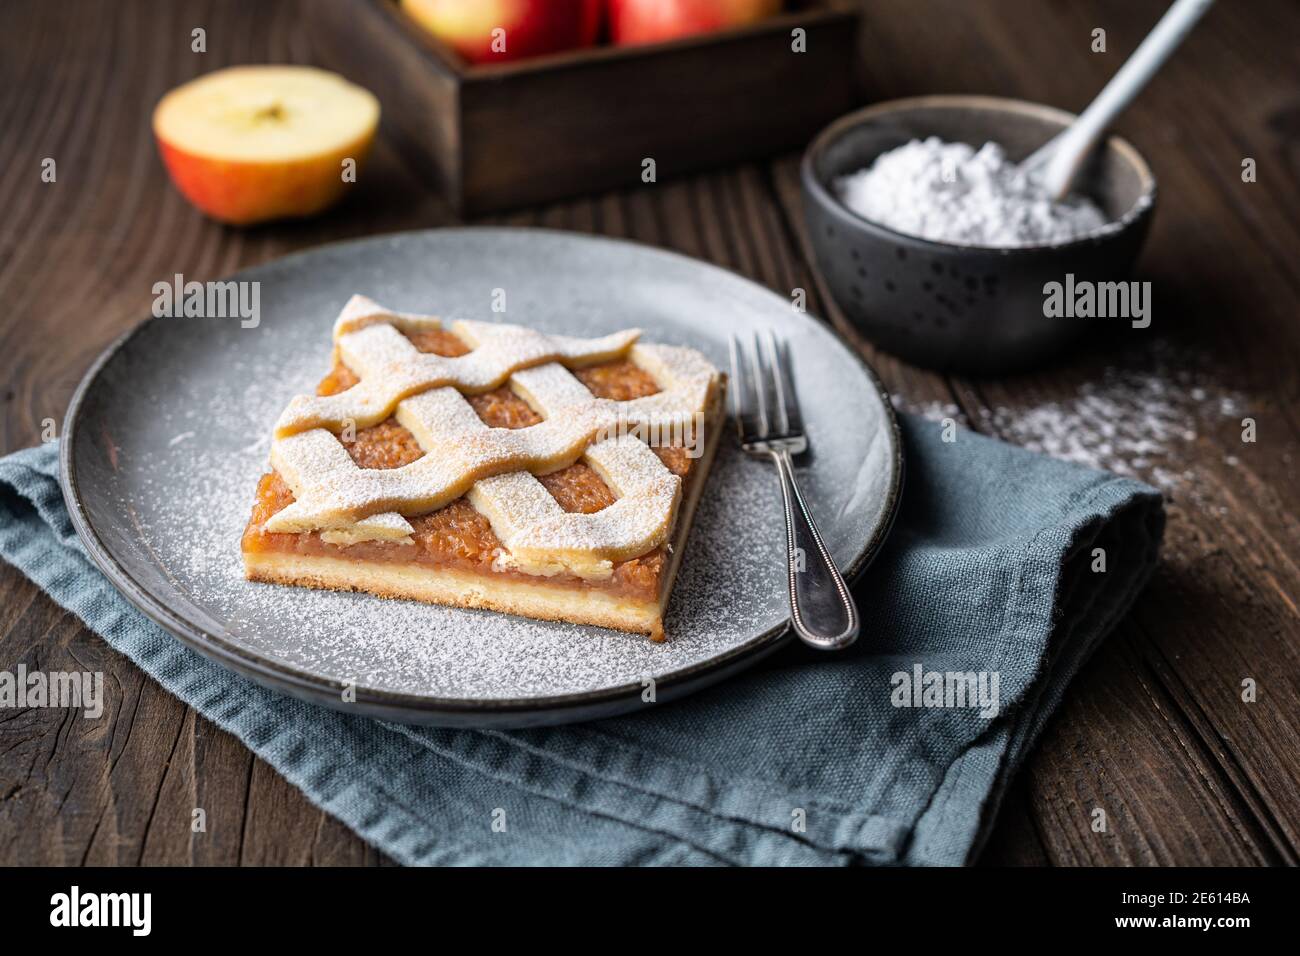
(489, 31)
(252, 143)
(652, 21)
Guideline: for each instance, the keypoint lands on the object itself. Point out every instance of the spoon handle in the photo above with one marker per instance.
(1065, 153)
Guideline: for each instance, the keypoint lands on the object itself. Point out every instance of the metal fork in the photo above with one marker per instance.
(770, 425)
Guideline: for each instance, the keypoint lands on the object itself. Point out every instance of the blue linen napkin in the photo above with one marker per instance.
(991, 571)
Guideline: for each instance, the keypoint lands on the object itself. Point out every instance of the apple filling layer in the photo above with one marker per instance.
(457, 537)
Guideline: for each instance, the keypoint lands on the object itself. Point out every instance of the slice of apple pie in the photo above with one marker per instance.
(488, 465)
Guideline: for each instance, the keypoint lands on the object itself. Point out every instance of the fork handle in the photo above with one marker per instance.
(821, 606)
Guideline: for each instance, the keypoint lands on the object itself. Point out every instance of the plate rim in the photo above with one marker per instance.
(424, 709)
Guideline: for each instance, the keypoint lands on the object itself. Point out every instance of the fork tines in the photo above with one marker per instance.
(764, 402)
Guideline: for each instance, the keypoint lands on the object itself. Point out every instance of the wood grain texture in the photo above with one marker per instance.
(1154, 731)
(501, 135)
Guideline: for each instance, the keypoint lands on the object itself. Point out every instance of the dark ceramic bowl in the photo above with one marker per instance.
(957, 307)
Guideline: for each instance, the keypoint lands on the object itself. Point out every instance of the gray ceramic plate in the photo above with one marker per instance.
(168, 433)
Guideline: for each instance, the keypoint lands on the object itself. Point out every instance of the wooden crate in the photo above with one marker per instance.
(501, 135)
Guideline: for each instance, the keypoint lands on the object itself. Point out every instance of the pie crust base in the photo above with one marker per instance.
(451, 586)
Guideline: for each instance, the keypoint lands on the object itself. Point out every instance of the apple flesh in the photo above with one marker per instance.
(530, 27)
(254, 143)
(653, 21)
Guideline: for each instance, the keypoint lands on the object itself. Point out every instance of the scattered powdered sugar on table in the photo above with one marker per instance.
(950, 192)
(1133, 422)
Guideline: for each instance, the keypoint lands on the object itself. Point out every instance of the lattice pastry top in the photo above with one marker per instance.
(494, 466)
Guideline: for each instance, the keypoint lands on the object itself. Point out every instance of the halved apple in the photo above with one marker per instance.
(253, 143)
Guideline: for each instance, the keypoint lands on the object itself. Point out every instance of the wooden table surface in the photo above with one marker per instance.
(1155, 730)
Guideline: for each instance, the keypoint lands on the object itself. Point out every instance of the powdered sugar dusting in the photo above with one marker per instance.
(188, 502)
(332, 492)
(1131, 421)
(391, 368)
(735, 549)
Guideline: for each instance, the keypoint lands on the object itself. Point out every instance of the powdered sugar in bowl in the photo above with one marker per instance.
(955, 277)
